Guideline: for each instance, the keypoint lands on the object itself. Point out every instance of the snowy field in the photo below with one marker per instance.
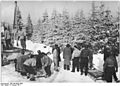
(9, 75)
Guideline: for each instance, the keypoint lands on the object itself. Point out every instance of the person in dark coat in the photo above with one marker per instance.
(106, 53)
(84, 59)
(38, 60)
(91, 57)
(110, 67)
(67, 55)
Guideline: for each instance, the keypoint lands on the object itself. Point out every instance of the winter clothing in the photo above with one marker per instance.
(55, 58)
(22, 37)
(7, 34)
(59, 59)
(29, 66)
(75, 59)
(46, 61)
(106, 53)
(91, 58)
(84, 59)
(19, 62)
(38, 61)
(67, 54)
(110, 67)
(46, 64)
(30, 62)
(8, 39)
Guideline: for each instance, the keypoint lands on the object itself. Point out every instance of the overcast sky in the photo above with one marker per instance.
(36, 8)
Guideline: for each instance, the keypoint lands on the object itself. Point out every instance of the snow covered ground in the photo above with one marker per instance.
(9, 74)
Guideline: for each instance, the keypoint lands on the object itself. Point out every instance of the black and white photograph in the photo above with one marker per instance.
(60, 41)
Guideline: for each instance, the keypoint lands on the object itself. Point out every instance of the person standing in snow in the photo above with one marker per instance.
(75, 59)
(110, 67)
(7, 38)
(84, 59)
(55, 57)
(58, 50)
(46, 64)
(91, 57)
(67, 55)
(22, 37)
(38, 60)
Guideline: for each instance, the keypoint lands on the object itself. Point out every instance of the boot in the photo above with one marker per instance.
(68, 67)
(32, 78)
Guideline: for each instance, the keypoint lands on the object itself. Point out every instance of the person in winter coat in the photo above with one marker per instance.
(67, 55)
(22, 37)
(59, 59)
(29, 66)
(84, 59)
(19, 62)
(58, 50)
(55, 58)
(110, 67)
(75, 59)
(91, 57)
(38, 60)
(7, 38)
(46, 64)
(106, 53)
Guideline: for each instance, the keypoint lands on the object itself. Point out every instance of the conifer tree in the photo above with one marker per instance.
(29, 27)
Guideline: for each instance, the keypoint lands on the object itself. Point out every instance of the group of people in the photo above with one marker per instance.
(28, 65)
(8, 37)
(80, 57)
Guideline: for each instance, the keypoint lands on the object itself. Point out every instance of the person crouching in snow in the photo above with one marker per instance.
(46, 64)
(29, 66)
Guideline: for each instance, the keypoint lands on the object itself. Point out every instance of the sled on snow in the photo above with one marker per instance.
(96, 74)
